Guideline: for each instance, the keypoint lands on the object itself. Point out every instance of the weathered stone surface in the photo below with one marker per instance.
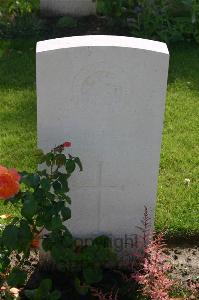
(105, 94)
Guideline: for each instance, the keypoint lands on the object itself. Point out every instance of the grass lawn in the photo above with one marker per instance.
(178, 203)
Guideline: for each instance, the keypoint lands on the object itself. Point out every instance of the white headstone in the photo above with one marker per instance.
(68, 7)
(106, 95)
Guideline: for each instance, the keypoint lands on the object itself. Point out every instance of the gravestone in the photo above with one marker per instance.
(68, 7)
(106, 95)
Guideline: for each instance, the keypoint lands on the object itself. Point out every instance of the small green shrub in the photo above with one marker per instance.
(23, 26)
(66, 22)
(12, 8)
(43, 292)
(20, 18)
(42, 202)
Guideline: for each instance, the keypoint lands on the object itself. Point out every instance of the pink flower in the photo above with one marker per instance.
(154, 277)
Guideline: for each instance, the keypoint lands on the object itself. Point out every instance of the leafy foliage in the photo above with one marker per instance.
(157, 19)
(12, 8)
(20, 18)
(66, 22)
(43, 203)
(44, 291)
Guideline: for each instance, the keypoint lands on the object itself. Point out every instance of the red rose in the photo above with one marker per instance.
(9, 183)
(67, 144)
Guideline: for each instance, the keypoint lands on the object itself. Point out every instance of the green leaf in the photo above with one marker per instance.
(4, 262)
(49, 157)
(58, 252)
(66, 22)
(103, 241)
(57, 207)
(55, 295)
(25, 235)
(70, 166)
(45, 184)
(82, 289)
(104, 254)
(30, 206)
(43, 292)
(31, 180)
(89, 254)
(39, 194)
(65, 197)
(60, 159)
(69, 255)
(10, 237)
(46, 244)
(63, 179)
(56, 223)
(92, 274)
(45, 286)
(42, 173)
(30, 294)
(67, 240)
(57, 186)
(17, 277)
(66, 213)
(14, 220)
(45, 219)
(50, 196)
(78, 162)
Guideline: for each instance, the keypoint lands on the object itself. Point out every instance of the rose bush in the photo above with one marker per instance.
(43, 202)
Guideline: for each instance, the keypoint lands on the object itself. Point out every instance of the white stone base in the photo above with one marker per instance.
(68, 7)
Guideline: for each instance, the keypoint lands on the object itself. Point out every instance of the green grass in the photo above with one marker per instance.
(178, 204)
(17, 105)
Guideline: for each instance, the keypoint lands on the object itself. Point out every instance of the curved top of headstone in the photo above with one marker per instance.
(102, 41)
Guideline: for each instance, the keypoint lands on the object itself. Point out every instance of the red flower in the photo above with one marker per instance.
(9, 183)
(67, 144)
(35, 242)
(15, 174)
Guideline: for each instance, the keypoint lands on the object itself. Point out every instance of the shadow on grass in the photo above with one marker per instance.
(184, 64)
(17, 64)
